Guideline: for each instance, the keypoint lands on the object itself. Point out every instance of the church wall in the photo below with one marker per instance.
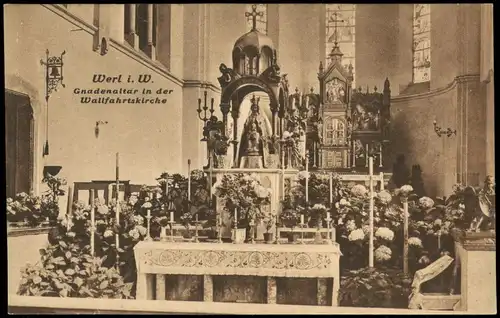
(413, 135)
(376, 43)
(147, 136)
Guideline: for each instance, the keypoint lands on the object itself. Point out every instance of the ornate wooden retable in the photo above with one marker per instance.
(157, 259)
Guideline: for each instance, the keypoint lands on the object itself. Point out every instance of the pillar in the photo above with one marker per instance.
(477, 261)
(131, 36)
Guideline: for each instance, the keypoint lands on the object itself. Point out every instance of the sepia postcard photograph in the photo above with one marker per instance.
(232, 158)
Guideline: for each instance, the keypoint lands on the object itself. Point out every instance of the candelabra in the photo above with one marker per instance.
(440, 131)
(205, 118)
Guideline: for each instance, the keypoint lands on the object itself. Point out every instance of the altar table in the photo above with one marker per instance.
(156, 260)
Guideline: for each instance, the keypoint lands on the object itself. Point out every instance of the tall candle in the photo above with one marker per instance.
(189, 179)
(328, 215)
(307, 180)
(235, 216)
(172, 216)
(70, 201)
(117, 237)
(92, 222)
(331, 188)
(149, 213)
(370, 166)
(302, 219)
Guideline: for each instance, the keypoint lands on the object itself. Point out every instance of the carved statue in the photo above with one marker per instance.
(319, 130)
(480, 207)
(254, 146)
(228, 75)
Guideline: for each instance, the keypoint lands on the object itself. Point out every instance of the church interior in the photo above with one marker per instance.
(119, 97)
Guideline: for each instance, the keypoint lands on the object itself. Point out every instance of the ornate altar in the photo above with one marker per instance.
(261, 270)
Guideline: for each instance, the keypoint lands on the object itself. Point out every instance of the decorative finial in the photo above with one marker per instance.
(321, 68)
(254, 14)
(296, 90)
(375, 88)
(312, 90)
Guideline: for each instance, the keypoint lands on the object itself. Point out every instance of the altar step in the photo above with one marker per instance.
(55, 305)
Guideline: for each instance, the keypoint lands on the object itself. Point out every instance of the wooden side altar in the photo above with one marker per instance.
(270, 266)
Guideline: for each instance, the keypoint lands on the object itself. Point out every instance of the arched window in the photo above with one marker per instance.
(421, 43)
(334, 132)
(345, 35)
(261, 19)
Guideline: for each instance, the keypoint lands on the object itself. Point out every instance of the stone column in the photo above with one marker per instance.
(150, 49)
(131, 37)
(160, 287)
(477, 260)
(271, 290)
(208, 288)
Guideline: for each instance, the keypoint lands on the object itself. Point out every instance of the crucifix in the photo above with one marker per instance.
(254, 14)
(333, 18)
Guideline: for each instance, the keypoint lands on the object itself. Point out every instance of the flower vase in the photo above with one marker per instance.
(239, 235)
(319, 225)
(268, 237)
(293, 237)
(223, 162)
(163, 234)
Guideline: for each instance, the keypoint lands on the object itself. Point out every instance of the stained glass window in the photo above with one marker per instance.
(261, 19)
(421, 43)
(345, 35)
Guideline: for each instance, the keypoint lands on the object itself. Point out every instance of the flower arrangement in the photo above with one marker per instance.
(270, 221)
(245, 193)
(33, 210)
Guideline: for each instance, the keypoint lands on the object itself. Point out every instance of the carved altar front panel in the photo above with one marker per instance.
(237, 259)
(335, 158)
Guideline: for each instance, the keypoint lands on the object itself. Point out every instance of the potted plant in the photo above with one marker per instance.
(269, 221)
(243, 196)
(290, 218)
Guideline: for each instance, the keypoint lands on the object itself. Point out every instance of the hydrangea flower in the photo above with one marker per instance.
(304, 174)
(384, 197)
(134, 233)
(385, 233)
(356, 235)
(359, 190)
(344, 202)
(438, 222)
(138, 219)
(142, 230)
(262, 192)
(102, 209)
(415, 241)
(426, 202)
(382, 253)
(350, 225)
(319, 207)
(147, 205)
(287, 134)
(366, 229)
(108, 233)
(406, 189)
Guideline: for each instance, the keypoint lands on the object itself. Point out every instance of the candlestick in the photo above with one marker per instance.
(171, 223)
(148, 224)
(276, 241)
(189, 179)
(196, 228)
(69, 210)
(235, 217)
(171, 216)
(302, 219)
(328, 220)
(328, 215)
(92, 223)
